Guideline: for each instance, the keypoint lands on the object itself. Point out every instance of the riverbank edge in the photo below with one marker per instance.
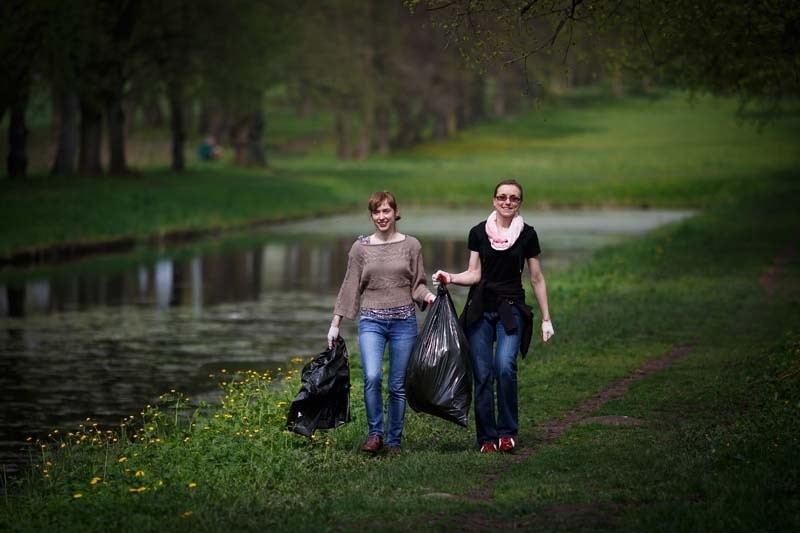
(60, 253)
(662, 483)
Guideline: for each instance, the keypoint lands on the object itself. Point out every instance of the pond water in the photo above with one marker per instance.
(103, 345)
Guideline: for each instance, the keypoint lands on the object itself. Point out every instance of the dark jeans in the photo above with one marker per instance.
(495, 367)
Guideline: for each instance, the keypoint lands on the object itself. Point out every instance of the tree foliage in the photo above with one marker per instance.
(748, 49)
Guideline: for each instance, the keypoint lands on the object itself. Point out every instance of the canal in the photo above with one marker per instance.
(104, 339)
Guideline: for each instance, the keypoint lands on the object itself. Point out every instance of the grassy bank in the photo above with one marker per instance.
(715, 447)
(661, 152)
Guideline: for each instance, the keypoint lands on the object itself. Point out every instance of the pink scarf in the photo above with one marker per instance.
(503, 242)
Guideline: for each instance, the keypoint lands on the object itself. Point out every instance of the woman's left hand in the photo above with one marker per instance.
(430, 298)
(547, 330)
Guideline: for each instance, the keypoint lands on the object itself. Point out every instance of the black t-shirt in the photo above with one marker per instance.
(503, 265)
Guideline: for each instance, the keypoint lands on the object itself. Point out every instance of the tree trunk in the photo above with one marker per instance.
(152, 114)
(240, 133)
(382, 125)
(18, 137)
(408, 126)
(500, 96)
(477, 100)
(343, 150)
(66, 154)
(91, 137)
(364, 145)
(255, 141)
(117, 163)
(178, 127)
(439, 125)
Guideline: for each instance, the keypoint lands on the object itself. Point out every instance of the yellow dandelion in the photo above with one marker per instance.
(191, 485)
(186, 439)
(77, 495)
(137, 489)
(122, 459)
(139, 473)
(186, 514)
(95, 480)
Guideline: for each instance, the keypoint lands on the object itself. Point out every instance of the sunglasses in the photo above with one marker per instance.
(513, 199)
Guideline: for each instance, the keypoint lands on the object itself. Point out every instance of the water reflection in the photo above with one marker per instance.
(103, 345)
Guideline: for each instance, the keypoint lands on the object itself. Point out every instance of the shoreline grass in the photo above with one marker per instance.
(720, 426)
(660, 152)
(716, 451)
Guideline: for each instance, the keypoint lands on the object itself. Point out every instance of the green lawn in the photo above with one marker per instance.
(661, 152)
(717, 445)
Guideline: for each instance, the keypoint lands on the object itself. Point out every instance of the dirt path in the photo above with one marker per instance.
(570, 516)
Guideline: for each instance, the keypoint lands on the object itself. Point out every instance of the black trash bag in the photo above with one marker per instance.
(324, 398)
(439, 375)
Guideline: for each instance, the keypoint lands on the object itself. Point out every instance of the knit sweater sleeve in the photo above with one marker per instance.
(419, 287)
(349, 300)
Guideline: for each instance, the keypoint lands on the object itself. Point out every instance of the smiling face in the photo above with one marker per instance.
(507, 199)
(384, 217)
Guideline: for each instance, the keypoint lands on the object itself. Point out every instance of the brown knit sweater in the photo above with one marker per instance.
(382, 276)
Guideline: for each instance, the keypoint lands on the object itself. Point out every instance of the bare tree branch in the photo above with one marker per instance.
(527, 8)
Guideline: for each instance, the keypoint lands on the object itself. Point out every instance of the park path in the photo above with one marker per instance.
(552, 430)
(574, 515)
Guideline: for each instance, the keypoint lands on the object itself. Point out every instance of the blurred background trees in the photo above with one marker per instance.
(390, 73)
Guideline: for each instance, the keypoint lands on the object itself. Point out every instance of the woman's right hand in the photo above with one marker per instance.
(333, 334)
(440, 276)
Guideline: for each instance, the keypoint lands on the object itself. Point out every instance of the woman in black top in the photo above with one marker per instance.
(496, 312)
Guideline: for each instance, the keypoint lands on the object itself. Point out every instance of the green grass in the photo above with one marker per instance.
(662, 152)
(716, 451)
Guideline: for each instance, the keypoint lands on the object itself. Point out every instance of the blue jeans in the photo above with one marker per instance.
(490, 367)
(373, 334)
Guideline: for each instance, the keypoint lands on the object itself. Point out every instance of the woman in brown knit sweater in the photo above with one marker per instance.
(385, 277)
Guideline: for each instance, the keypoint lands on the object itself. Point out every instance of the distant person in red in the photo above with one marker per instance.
(209, 150)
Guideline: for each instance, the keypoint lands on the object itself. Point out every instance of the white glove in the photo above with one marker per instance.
(441, 276)
(547, 330)
(333, 334)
